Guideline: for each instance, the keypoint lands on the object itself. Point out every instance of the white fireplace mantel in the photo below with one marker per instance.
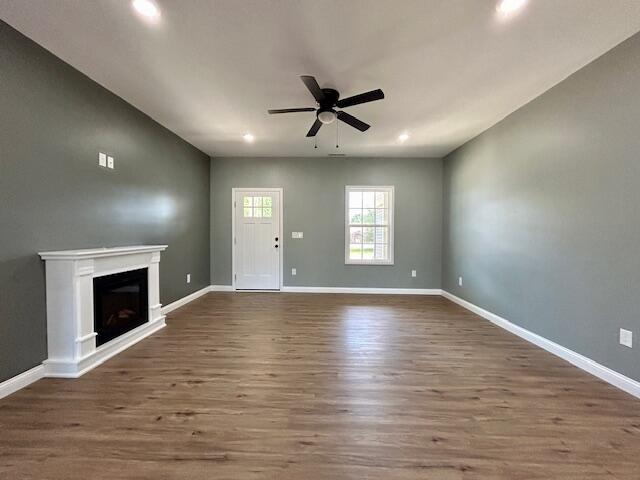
(71, 339)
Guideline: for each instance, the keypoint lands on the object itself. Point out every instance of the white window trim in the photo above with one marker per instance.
(392, 206)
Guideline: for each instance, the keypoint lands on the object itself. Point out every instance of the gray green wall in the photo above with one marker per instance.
(314, 204)
(542, 213)
(53, 195)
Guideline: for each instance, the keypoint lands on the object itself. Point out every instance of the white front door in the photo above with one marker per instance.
(257, 240)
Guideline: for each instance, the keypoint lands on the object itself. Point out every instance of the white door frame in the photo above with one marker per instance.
(234, 190)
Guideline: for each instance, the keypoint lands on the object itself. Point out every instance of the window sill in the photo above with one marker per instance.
(352, 262)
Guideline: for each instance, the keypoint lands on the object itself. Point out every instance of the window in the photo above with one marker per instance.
(369, 225)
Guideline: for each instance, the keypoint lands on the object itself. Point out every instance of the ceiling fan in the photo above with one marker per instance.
(327, 99)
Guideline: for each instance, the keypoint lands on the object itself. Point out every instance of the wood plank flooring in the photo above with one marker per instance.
(302, 386)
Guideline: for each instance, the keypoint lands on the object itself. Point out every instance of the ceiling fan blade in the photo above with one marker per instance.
(371, 96)
(292, 110)
(314, 128)
(353, 121)
(313, 87)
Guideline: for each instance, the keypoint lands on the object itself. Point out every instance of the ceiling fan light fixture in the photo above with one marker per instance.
(327, 116)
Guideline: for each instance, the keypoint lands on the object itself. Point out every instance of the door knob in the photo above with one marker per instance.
(276, 246)
(276, 239)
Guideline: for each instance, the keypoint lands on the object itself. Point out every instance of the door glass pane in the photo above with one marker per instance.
(369, 217)
(257, 212)
(367, 251)
(355, 199)
(355, 216)
(257, 202)
(247, 212)
(355, 234)
(267, 202)
(247, 201)
(355, 251)
(266, 212)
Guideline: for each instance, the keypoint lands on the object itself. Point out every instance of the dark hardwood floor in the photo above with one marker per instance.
(297, 386)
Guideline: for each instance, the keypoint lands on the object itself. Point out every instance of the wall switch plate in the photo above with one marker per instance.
(294, 272)
(109, 162)
(188, 278)
(459, 281)
(414, 273)
(297, 235)
(102, 159)
(626, 338)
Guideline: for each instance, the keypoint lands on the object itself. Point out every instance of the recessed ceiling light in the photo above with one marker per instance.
(403, 137)
(507, 7)
(146, 8)
(248, 138)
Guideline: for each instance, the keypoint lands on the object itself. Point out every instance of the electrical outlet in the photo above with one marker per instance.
(459, 281)
(102, 159)
(626, 338)
(188, 278)
(109, 162)
(414, 273)
(294, 272)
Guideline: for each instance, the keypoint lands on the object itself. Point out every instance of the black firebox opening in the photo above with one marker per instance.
(121, 303)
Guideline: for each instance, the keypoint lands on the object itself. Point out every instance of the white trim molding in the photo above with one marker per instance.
(584, 363)
(184, 300)
(222, 288)
(364, 290)
(20, 381)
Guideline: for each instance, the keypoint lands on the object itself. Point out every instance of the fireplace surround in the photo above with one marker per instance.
(127, 282)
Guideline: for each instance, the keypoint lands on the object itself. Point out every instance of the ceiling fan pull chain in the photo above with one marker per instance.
(315, 142)
(337, 145)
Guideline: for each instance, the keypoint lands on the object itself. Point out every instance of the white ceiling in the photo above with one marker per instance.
(210, 69)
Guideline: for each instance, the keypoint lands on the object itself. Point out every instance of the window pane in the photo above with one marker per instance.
(355, 199)
(266, 202)
(368, 235)
(369, 216)
(355, 251)
(355, 216)
(266, 212)
(381, 199)
(247, 202)
(382, 235)
(368, 199)
(355, 235)
(381, 216)
(257, 201)
(257, 212)
(382, 252)
(247, 212)
(367, 251)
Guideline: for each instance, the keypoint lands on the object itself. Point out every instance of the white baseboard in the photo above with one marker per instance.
(584, 363)
(366, 290)
(20, 381)
(61, 368)
(222, 288)
(184, 300)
